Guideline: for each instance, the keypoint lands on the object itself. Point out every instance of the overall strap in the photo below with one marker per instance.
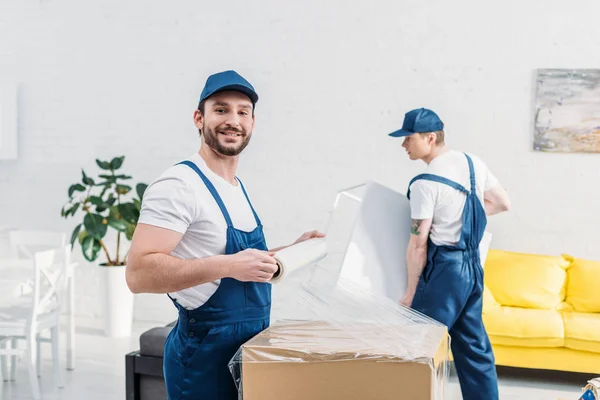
(439, 179)
(247, 198)
(472, 174)
(212, 190)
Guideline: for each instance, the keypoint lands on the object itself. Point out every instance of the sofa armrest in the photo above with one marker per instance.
(132, 379)
(152, 342)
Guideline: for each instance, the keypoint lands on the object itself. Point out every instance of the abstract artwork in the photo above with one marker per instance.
(567, 111)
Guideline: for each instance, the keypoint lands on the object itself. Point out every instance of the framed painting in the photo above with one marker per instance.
(567, 111)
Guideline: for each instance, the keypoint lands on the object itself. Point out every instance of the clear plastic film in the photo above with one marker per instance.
(332, 337)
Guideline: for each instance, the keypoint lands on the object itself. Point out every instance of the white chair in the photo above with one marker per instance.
(6, 350)
(26, 242)
(23, 244)
(31, 315)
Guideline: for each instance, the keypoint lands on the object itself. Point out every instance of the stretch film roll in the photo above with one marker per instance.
(298, 256)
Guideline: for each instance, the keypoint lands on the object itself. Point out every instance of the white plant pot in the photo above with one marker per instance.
(118, 300)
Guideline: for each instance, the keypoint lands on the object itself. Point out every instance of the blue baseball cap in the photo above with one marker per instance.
(227, 80)
(420, 120)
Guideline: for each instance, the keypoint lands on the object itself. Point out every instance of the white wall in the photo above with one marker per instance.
(100, 79)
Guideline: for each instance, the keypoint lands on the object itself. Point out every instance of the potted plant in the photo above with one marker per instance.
(105, 205)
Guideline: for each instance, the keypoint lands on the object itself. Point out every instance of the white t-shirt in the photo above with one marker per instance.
(179, 200)
(443, 203)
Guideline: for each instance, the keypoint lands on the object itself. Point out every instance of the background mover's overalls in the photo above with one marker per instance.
(200, 346)
(450, 291)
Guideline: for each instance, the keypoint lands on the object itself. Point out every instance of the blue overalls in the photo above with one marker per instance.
(450, 291)
(200, 346)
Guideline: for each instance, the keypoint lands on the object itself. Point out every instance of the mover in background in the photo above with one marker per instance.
(449, 207)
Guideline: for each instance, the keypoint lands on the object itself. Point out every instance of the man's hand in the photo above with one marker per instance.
(304, 237)
(416, 255)
(407, 299)
(309, 235)
(252, 265)
(496, 201)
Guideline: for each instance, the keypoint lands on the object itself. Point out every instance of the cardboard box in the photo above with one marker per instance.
(322, 361)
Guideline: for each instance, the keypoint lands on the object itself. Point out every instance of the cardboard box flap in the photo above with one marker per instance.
(321, 341)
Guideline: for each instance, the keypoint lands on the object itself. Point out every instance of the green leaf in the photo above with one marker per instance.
(103, 164)
(90, 248)
(118, 224)
(96, 200)
(114, 212)
(99, 202)
(141, 189)
(113, 178)
(129, 212)
(111, 200)
(138, 204)
(109, 179)
(130, 231)
(123, 189)
(78, 187)
(95, 225)
(86, 180)
(71, 211)
(74, 235)
(117, 162)
(82, 236)
(104, 190)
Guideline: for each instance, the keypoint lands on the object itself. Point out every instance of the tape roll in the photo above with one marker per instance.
(298, 256)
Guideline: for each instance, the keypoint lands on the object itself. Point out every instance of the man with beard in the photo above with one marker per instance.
(200, 241)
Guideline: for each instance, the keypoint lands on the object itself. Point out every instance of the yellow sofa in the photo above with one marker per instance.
(543, 312)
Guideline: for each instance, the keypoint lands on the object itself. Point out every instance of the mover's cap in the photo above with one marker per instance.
(420, 120)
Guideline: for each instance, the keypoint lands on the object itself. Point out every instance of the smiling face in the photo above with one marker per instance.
(226, 122)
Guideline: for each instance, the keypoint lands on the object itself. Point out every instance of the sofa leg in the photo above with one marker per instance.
(132, 379)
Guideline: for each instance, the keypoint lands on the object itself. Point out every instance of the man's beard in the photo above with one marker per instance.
(212, 140)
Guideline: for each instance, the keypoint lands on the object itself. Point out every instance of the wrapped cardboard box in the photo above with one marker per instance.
(327, 360)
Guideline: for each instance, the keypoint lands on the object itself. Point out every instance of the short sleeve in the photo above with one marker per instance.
(422, 200)
(168, 203)
(490, 180)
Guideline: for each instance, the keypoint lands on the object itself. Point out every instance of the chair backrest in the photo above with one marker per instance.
(24, 243)
(50, 274)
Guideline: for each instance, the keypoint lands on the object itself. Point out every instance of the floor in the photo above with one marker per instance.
(100, 371)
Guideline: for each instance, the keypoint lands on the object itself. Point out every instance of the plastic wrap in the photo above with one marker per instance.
(333, 338)
(298, 256)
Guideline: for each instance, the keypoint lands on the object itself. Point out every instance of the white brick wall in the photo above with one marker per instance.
(100, 79)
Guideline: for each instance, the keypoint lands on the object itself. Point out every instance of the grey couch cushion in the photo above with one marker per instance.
(152, 388)
(152, 342)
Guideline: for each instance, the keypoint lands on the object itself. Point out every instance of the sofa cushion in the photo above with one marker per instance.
(526, 280)
(582, 331)
(583, 293)
(152, 342)
(524, 327)
(489, 302)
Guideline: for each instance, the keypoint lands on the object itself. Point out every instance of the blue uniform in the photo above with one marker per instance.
(200, 346)
(450, 291)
